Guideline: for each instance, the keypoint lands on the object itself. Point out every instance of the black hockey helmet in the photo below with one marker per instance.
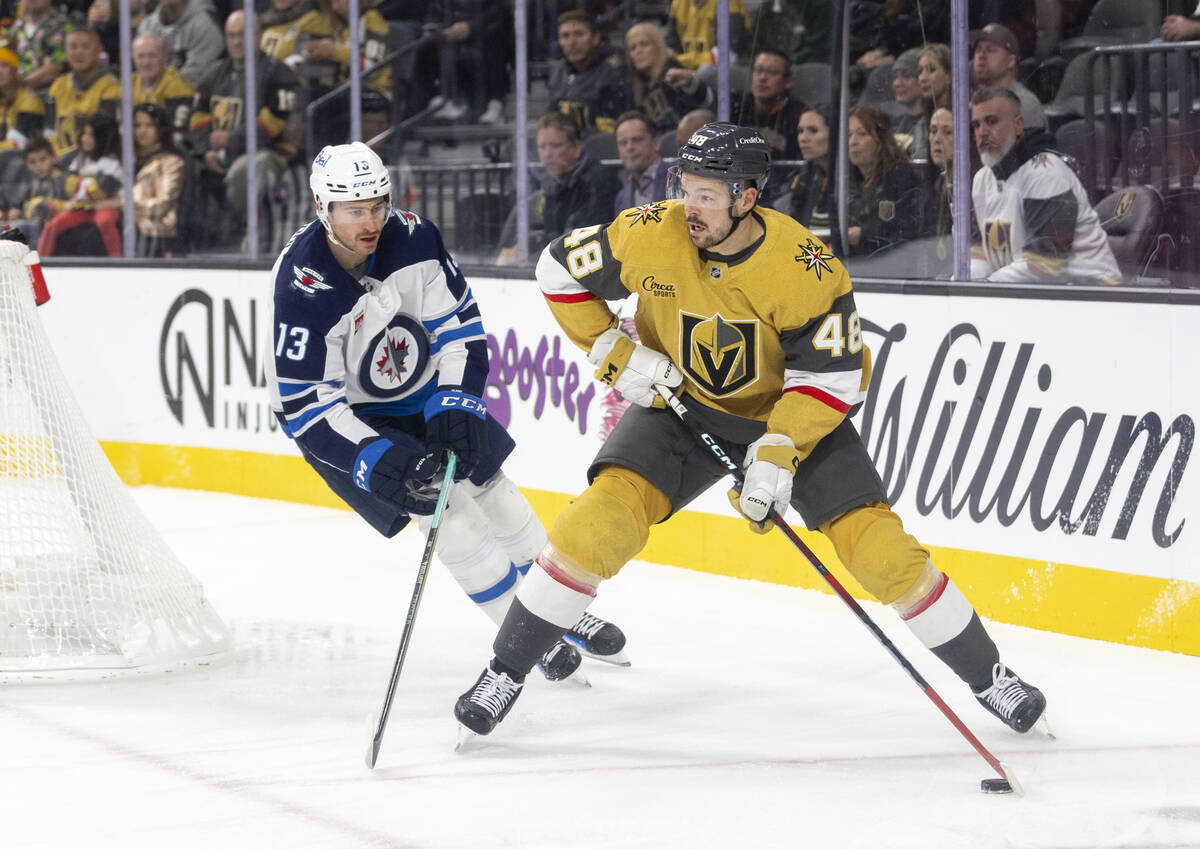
(736, 155)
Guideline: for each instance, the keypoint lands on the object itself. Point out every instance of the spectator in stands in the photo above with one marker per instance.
(691, 122)
(31, 200)
(994, 58)
(1034, 216)
(888, 28)
(154, 81)
(576, 191)
(658, 85)
(587, 84)
(93, 190)
(911, 128)
(645, 171)
(159, 182)
(811, 186)
(1180, 28)
(40, 36)
(323, 42)
(692, 30)
(192, 37)
(479, 39)
(280, 29)
(22, 115)
(769, 106)
(104, 17)
(934, 76)
(218, 128)
(85, 89)
(886, 195)
(940, 193)
(799, 29)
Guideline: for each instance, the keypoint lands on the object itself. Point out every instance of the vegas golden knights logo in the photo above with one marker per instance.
(226, 113)
(720, 356)
(998, 243)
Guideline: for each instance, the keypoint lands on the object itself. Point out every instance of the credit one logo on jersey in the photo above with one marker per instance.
(719, 355)
(394, 360)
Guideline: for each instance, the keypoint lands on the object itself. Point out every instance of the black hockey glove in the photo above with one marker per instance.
(13, 234)
(406, 475)
(457, 421)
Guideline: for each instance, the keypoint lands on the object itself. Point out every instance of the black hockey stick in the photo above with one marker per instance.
(834, 584)
(418, 591)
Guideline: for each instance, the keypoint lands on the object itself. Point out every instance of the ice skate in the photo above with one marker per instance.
(481, 708)
(1018, 705)
(598, 639)
(561, 662)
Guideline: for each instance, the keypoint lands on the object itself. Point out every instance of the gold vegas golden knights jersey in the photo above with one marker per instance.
(771, 334)
(69, 104)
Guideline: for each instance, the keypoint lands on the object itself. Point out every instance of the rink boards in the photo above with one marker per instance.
(1040, 447)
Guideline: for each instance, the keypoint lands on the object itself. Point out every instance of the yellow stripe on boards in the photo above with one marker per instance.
(1068, 599)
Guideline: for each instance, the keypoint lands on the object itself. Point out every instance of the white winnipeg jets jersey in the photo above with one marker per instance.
(344, 348)
(1038, 226)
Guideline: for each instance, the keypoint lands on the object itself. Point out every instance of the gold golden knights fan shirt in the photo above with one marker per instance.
(771, 334)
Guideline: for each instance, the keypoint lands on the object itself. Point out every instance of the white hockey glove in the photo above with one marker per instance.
(632, 369)
(771, 461)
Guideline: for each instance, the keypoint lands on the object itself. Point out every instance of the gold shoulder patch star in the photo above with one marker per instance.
(814, 257)
(646, 213)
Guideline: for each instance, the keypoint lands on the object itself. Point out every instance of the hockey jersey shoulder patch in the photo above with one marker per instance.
(308, 281)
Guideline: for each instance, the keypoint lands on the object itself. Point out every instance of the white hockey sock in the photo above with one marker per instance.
(513, 522)
(556, 592)
(939, 614)
(468, 549)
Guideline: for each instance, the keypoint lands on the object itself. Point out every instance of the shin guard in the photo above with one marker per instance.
(551, 599)
(514, 524)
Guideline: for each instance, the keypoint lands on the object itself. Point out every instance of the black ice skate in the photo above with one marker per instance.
(1017, 704)
(598, 639)
(560, 661)
(481, 708)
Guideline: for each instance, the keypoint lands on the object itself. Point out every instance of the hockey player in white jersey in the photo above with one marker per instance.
(379, 367)
(1035, 219)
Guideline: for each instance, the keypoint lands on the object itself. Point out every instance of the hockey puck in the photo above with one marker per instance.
(995, 785)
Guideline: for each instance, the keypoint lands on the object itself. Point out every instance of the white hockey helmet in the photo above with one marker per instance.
(347, 172)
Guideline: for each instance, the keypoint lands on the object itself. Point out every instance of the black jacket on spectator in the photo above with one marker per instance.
(220, 106)
(812, 194)
(778, 128)
(664, 104)
(586, 199)
(890, 213)
(592, 97)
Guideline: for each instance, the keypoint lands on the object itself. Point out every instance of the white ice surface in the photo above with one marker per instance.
(753, 716)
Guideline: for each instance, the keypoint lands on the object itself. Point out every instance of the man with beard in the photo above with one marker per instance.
(771, 362)
(994, 56)
(1034, 216)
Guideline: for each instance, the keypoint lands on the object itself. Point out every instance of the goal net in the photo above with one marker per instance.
(88, 588)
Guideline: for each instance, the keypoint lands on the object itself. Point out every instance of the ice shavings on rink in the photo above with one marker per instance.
(753, 715)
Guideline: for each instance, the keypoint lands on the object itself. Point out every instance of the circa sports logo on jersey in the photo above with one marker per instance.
(652, 286)
(394, 360)
(721, 356)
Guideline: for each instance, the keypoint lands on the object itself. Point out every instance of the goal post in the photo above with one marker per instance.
(88, 587)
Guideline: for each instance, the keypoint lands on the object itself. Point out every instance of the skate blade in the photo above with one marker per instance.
(467, 740)
(577, 678)
(1043, 725)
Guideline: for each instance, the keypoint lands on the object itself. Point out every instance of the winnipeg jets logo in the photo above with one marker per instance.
(391, 363)
(814, 257)
(408, 219)
(394, 360)
(308, 281)
(646, 213)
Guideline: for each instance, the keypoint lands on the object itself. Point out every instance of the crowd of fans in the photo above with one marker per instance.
(617, 90)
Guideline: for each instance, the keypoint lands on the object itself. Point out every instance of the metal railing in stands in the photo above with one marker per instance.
(1147, 112)
(311, 109)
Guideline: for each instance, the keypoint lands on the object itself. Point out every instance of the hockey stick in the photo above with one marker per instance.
(834, 584)
(418, 591)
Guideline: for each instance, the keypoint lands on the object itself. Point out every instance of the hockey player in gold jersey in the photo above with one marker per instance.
(752, 319)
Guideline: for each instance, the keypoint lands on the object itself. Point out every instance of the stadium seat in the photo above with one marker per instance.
(1116, 22)
(601, 146)
(811, 82)
(1132, 219)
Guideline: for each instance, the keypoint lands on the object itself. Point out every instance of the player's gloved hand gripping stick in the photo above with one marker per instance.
(418, 591)
(1008, 781)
